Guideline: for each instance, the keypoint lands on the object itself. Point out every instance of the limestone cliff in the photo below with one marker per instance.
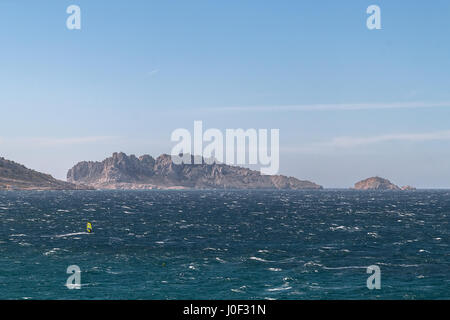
(129, 172)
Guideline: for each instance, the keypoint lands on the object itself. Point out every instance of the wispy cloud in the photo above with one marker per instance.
(53, 142)
(152, 73)
(336, 107)
(413, 137)
(352, 142)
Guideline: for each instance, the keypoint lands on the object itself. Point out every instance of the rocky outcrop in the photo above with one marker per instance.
(376, 183)
(408, 188)
(14, 176)
(129, 172)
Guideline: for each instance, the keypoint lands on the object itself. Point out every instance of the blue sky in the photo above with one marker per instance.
(349, 102)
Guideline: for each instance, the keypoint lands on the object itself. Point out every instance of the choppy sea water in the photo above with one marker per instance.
(225, 244)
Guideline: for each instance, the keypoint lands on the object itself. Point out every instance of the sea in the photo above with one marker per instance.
(206, 244)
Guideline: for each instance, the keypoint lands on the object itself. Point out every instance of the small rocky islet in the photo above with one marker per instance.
(378, 183)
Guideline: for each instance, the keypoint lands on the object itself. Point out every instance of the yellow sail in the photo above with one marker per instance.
(89, 227)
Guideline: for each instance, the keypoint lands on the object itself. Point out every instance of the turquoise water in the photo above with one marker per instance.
(225, 244)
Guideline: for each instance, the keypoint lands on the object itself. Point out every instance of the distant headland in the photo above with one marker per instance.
(14, 176)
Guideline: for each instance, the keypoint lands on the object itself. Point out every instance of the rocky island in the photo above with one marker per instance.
(130, 172)
(124, 172)
(14, 176)
(377, 183)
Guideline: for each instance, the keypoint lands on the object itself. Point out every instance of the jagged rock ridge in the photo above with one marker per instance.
(129, 172)
(14, 176)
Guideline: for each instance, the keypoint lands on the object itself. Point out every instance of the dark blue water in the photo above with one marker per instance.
(225, 244)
